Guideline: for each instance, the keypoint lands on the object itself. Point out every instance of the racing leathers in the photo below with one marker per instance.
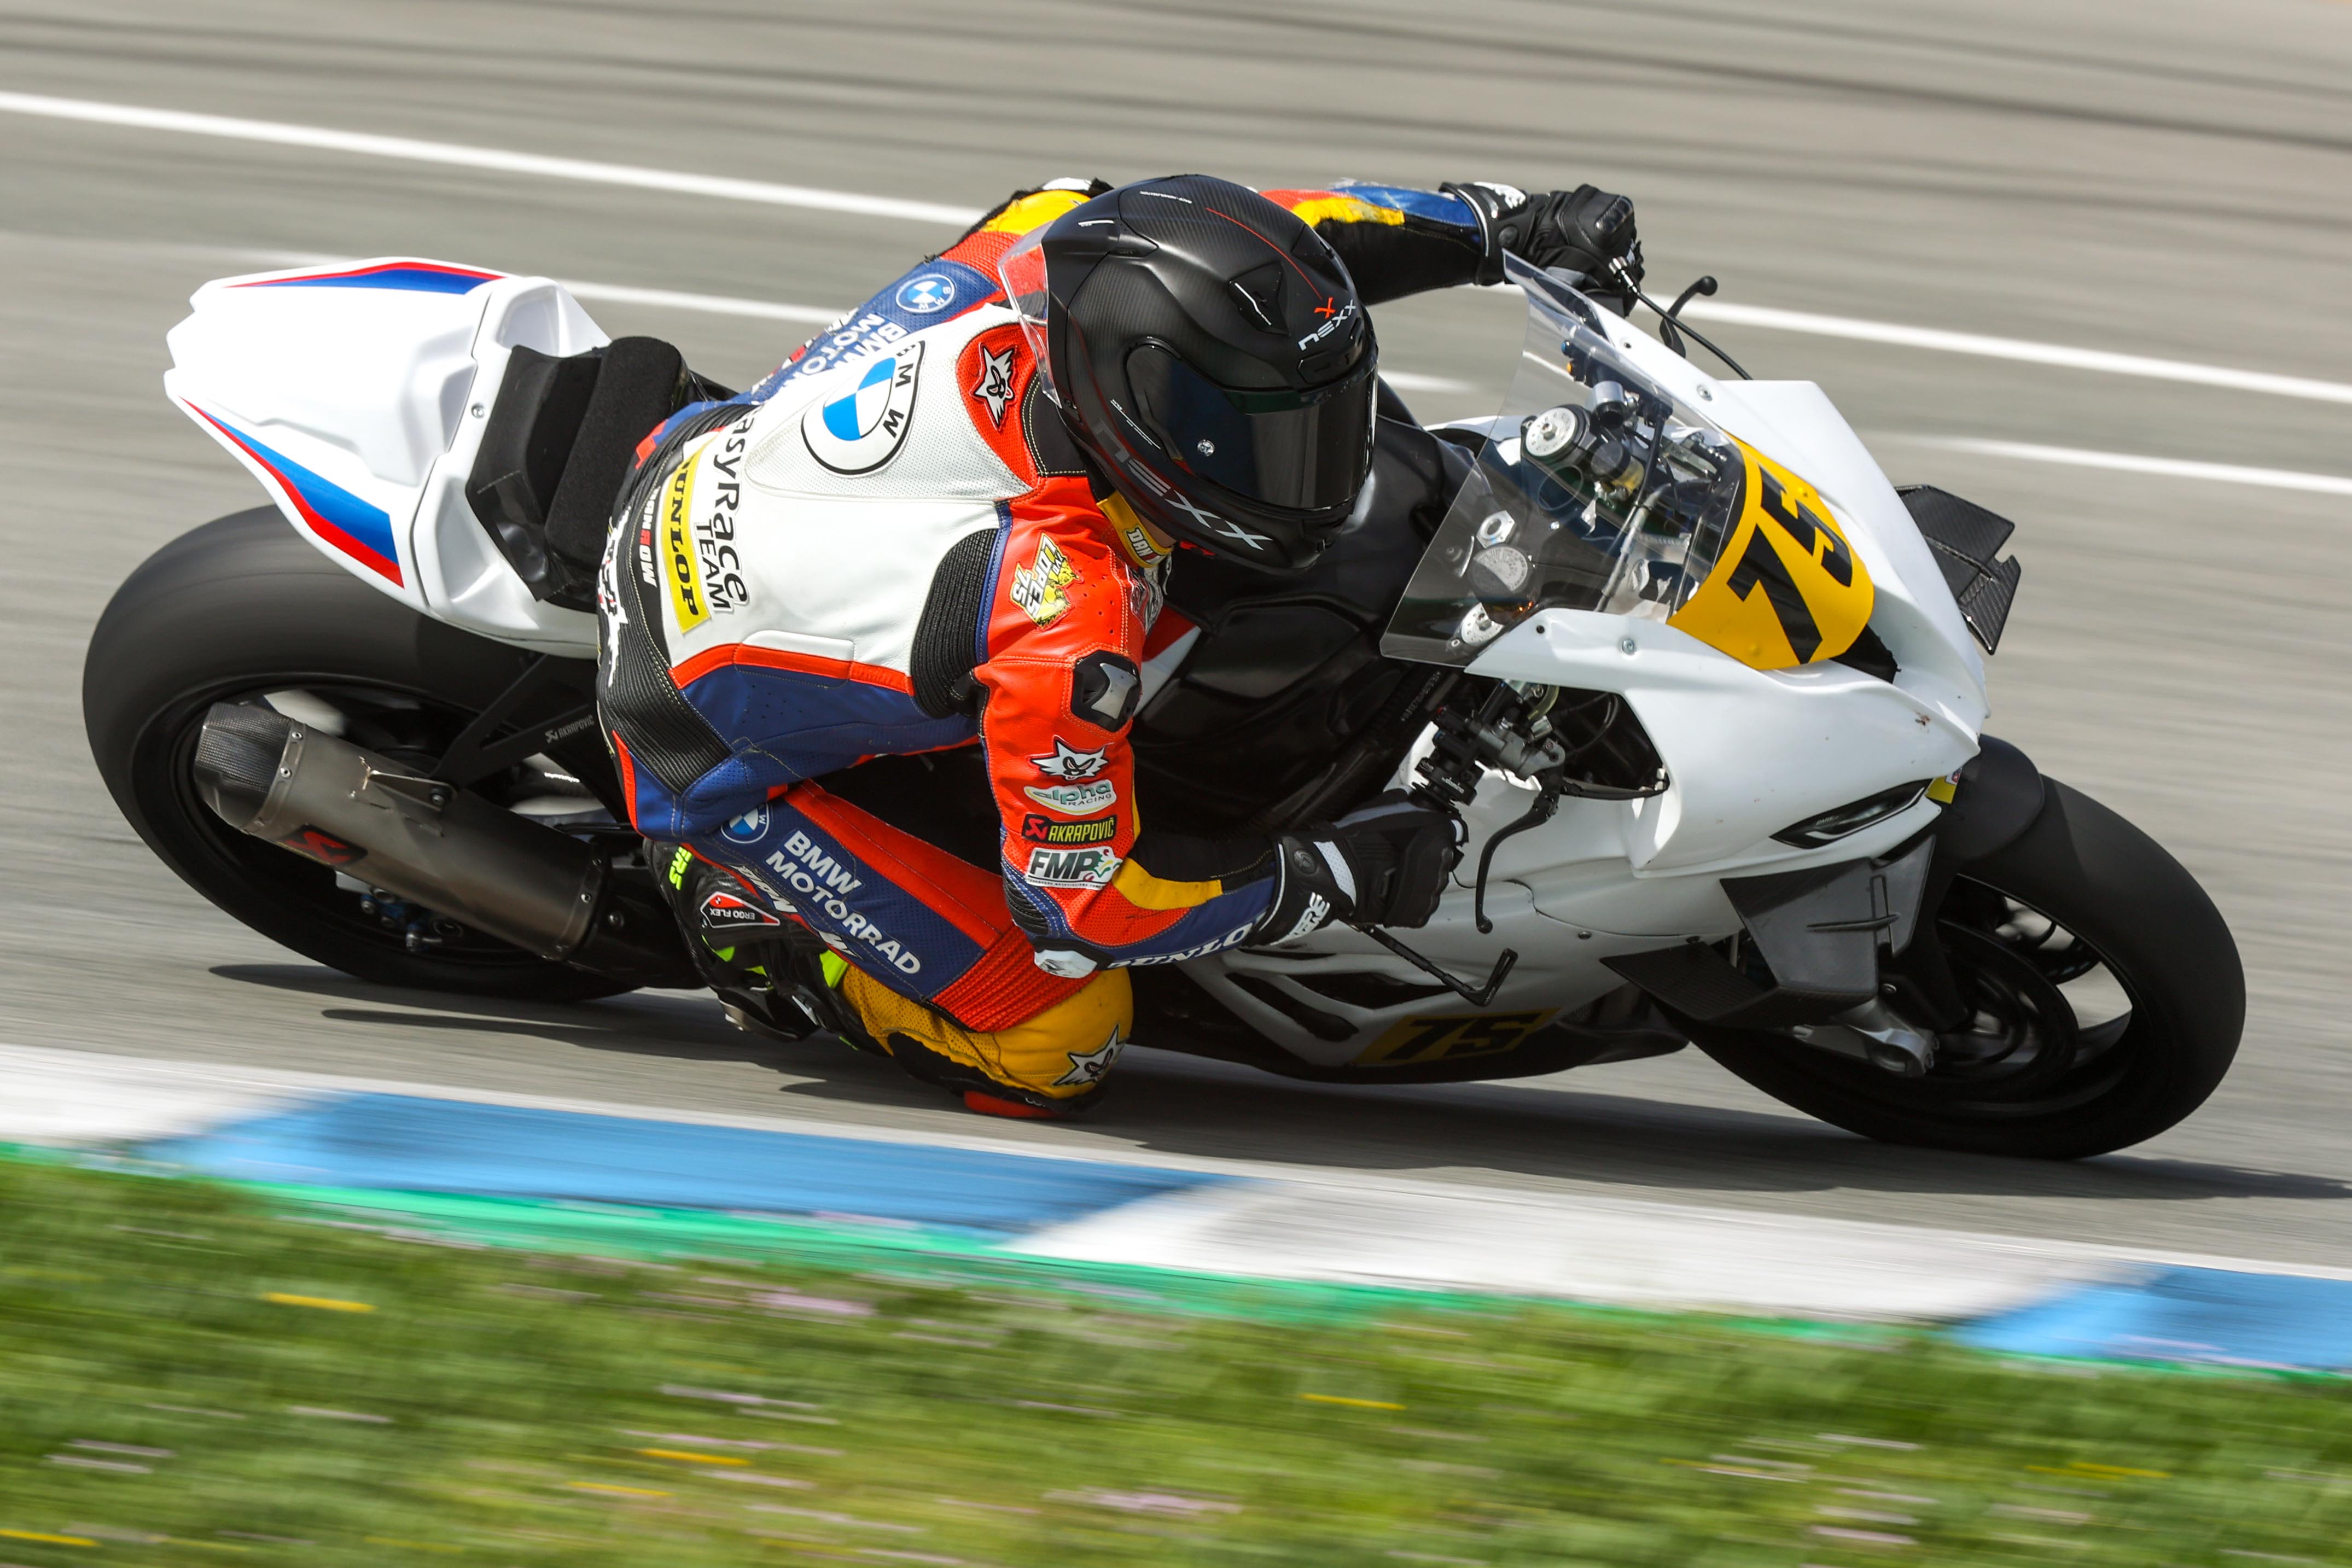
(891, 548)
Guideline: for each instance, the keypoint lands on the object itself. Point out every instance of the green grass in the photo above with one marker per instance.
(504, 1406)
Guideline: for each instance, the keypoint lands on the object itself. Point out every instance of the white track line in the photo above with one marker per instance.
(2018, 349)
(711, 304)
(415, 151)
(326, 138)
(763, 310)
(2128, 462)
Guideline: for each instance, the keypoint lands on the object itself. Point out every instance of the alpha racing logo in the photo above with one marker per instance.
(1038, 587)
(1071, 868)
(995, 388)
(1075, 799)
(825, 884)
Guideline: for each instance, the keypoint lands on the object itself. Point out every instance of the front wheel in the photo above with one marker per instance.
(243, 610)
(2108, 1001)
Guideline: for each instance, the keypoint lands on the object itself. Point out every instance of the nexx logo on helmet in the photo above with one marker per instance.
(860, 420)
(1104, 688)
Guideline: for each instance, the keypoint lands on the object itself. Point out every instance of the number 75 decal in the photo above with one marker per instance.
(1787, 589)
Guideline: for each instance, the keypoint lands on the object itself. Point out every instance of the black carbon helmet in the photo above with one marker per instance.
(1209, 350)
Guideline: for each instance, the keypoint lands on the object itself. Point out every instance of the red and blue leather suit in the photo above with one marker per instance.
(891, 548)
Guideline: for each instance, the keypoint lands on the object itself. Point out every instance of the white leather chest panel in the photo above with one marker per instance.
(893, 423)
(813, 526)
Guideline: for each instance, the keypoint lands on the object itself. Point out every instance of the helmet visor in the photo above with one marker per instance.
(1020, 270)
(1299, 451)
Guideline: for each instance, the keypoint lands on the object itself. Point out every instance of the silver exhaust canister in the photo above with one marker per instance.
(431, 843)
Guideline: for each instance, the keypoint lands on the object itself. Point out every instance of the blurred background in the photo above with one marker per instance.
(2164, 179)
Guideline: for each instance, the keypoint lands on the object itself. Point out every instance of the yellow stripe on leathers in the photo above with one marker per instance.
(1048, 1054)
(1347, 209)
(1734, 608)
(1145, 891)
(1033, 211)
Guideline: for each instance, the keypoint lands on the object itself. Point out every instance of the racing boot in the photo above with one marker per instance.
(768, 970)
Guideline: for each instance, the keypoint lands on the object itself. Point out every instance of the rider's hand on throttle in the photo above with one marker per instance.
(1384, 863)
(1586, 230)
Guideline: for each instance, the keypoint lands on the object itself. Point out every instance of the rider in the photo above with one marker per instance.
(948, 518)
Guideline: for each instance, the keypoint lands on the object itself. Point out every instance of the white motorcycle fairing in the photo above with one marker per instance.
(357, 395)
(1748, 753)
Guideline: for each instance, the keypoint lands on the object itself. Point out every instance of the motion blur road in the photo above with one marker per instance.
(2159, 178)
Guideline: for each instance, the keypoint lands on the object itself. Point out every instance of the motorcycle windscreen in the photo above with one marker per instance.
(1597, 490)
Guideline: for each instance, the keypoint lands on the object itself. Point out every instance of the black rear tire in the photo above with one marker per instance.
(2124, 903)
(241, 606)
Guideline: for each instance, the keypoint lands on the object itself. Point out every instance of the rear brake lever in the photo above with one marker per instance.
(1480, 998)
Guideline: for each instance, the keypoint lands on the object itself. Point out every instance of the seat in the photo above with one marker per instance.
(562, 437)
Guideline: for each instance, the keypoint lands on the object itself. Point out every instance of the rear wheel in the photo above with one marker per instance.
(2106, 998)
(244, 609)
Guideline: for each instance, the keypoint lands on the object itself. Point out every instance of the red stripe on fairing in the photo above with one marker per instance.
(365, 555)
(441, 268)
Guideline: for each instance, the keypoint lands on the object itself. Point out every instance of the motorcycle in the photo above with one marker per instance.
(1706, 690)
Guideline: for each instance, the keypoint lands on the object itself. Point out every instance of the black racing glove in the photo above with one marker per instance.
(1586, 230)
(1384, 863)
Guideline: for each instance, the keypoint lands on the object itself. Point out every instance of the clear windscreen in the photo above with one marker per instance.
(1596, 489)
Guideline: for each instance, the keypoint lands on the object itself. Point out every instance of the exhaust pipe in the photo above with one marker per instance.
(432, 842)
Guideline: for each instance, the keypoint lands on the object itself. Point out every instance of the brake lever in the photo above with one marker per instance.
(1483, 995)
(1625, 276)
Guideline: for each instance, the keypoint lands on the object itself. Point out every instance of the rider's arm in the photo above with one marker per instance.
(1398, 240)
(1087, 880)
(1394, 240)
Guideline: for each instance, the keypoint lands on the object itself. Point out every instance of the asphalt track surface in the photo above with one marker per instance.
(2170, 180)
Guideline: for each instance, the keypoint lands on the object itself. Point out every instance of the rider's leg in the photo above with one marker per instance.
(938, 974)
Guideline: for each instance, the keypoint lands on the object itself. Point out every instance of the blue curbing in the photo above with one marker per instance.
(2210, 1315)
(417, 1144)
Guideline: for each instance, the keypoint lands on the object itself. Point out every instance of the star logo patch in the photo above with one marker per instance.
(1091, 1066)
(995, 388)
(1066, 761)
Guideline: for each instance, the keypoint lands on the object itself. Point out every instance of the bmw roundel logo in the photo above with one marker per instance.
(928, 294)
(750, 828)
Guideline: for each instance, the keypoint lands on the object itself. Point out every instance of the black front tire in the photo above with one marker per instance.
(244, 605)
(2122, 900)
